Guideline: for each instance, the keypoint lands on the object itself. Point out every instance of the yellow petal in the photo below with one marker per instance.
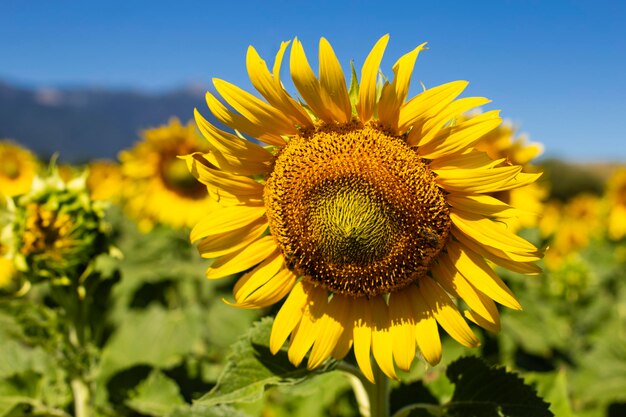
(333, 84)
(271, 292)
(307, 84)
(266, 133)
(402, 329)
(490, 233)
(233, 153)
(381, 337)
(456, 284)
(481, 321)
(288, 316)
(446, 313)
(425, 132)
(226, 219)
(369, 76)
(248, 257)
(362, 334)
(270, 87)
(459, 137)
(236, 187)
(428, 104)
(345, 340)
(252, 108)
(309, 327)
(477, 180)
(394, 94)
(333, 324)
(477, 272)
(517, 263)
(253, 280)
(426, 332)
(522, 263)
(483, 205)
(465, 160)
(221, 244)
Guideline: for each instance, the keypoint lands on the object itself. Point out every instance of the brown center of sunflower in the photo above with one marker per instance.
(177, 178)
(46, 232)
(355, 210)
(10, 168)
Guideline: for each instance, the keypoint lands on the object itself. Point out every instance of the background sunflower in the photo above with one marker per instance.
(157, 186)
(18, 167)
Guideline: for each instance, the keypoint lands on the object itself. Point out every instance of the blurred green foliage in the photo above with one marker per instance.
(567, 180)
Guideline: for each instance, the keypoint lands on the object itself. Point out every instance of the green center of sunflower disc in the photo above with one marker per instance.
(352, 224)
(355, 210)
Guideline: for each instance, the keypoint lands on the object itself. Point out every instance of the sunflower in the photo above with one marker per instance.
(157, 185)
(572, 229)
(616, 196)
(18, 167)
(104, 180)
(56, 230)
(504, 142)
(367, 210)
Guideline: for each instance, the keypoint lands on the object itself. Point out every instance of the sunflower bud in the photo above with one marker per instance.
(57, 230)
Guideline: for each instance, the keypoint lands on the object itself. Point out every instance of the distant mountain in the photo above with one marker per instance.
(87, 123)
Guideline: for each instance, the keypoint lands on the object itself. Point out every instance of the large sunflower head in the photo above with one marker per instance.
(18, 167)
(368, 210)
(157, 185)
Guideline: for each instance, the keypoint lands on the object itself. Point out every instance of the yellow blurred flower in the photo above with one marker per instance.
(580, 219)
(18, 167)
(157, 185)
(616, 198)
(104, 180)
(7, 268)
(378, 209)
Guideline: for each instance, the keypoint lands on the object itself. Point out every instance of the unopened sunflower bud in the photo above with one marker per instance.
(57, 229)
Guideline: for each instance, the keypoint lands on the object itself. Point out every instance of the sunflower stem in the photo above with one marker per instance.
(378, 393)
(373, 399)
(81, 393)
(357, 382)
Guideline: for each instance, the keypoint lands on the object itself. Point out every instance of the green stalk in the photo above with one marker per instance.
(80, 387)
(81, 394)
(373, 399)
(378, 393)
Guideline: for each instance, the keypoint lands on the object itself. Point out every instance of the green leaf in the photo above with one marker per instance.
(552, 386)
(600, 378)
(251, 368)
(207, 411)
(224, 324)
(154, 336)
(322, 395)
(156, 396)
(483, 391)
(18, 389)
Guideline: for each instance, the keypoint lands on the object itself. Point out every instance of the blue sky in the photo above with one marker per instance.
(555, 68)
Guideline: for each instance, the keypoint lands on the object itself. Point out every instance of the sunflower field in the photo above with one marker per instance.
(336, 252)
